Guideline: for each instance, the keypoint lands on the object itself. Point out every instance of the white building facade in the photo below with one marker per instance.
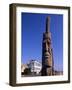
(35, 67)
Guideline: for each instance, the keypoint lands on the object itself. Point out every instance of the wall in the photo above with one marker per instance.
(4, 45)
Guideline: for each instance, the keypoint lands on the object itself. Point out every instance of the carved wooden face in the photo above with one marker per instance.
(48, 61)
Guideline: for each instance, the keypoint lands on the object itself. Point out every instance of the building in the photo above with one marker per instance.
(35, 67)
(47, 51)
(23, 68)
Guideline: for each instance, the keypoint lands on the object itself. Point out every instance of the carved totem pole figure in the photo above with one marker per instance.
(47, 53)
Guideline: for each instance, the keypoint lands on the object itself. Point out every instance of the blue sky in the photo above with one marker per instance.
(33, 26)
